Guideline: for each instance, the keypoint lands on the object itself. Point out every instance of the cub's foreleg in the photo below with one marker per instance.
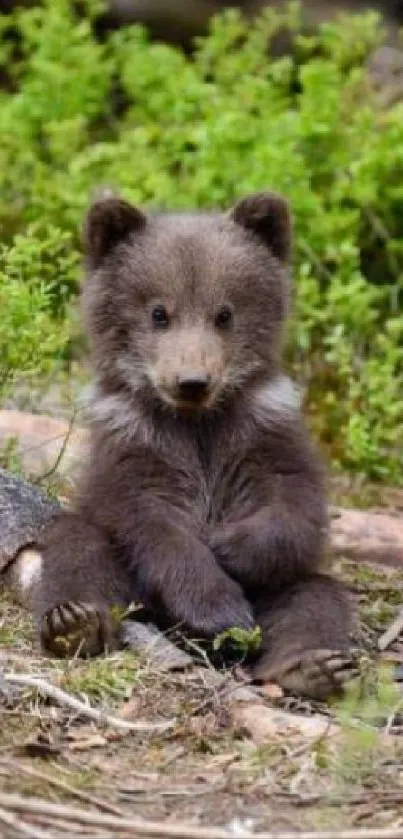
(72, 580)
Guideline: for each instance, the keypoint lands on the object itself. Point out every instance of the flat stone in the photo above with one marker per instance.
(149, 641)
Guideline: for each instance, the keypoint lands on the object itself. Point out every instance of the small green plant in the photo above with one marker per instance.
(242, 640)
(120, 613)
(371, 697)
(10, 457)
(111, 677)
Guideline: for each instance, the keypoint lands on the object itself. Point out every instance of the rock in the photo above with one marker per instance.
(263, 723)
(149, 641)
(24, 511)
(368, 536)
(385, 70)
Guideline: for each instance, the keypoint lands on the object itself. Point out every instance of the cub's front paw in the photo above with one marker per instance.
(220, 607)
(80, 629)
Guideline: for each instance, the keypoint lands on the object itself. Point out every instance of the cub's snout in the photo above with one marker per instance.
(193, 388)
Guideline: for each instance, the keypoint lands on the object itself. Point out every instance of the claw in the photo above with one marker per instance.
(314, 673)
(74, 628)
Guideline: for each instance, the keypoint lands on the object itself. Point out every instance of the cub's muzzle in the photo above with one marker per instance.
(193, 388)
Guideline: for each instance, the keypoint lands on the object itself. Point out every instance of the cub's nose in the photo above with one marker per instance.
(193, 388)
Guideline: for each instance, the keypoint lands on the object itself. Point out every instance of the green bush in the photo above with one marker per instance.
(177, 132)
(37, 275)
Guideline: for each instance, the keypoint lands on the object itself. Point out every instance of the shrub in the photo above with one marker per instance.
(37, 275)
(175, 131)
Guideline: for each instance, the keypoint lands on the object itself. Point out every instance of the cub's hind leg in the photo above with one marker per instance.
(306, 646)
(72, 580)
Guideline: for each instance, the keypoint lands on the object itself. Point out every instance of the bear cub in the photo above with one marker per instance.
(203, 498)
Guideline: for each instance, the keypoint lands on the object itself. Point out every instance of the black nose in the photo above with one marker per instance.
(193, 388)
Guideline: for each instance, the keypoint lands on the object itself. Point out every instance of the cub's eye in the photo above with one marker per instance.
(160, 316)
(224, 317)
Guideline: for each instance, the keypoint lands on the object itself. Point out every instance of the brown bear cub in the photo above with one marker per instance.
(203, 497)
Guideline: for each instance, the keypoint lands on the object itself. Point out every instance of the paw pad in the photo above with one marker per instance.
(73, 629)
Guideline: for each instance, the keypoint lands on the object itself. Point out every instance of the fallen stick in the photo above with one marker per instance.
(23, 829)
(63, 698)
(161, 830)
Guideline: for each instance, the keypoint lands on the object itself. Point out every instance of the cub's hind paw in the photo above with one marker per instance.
(76, 628)
(316, 674)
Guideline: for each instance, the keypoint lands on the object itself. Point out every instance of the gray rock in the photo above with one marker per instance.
(24, 511)
(149, 641)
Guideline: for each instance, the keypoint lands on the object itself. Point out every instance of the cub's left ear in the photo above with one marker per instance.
(267, 215)
(109, 221)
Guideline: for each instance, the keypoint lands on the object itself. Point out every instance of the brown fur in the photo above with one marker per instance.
(210, 510)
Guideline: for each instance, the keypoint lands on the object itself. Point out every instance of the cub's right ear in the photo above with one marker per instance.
(109, 222)
(268, 216)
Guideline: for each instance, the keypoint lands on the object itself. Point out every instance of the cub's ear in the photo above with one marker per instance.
(267, 215)
(109, 221)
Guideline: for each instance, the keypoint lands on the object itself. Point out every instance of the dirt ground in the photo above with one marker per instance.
(208, 768)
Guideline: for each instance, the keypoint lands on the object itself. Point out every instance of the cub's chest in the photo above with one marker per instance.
(221, 477)
(227, 486)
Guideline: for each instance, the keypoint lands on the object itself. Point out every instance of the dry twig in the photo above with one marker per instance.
(50, 472)
(74, 704)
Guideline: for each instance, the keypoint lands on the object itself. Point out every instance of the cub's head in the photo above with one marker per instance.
(186, 309)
